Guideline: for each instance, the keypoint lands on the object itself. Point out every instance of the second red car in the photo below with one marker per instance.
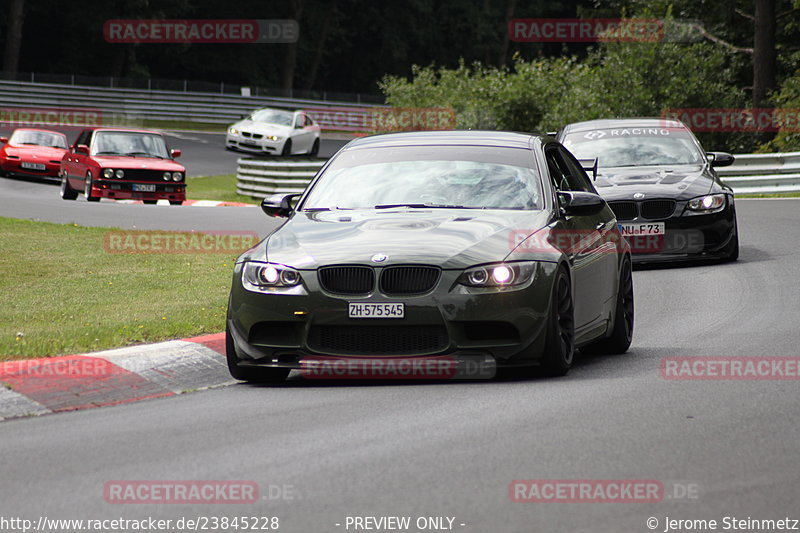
(122, 164)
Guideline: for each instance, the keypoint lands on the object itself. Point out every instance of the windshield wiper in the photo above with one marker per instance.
(425, 206)
(336, 208)
(107, 153)
(146, 154)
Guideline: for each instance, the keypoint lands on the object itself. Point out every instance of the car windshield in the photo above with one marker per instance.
(633, 147)
(431, 176)
(38, 138)
(273, 116)
(130, 144)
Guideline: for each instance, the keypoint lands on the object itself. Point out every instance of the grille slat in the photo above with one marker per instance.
(347, 279)
(378, 340)
(623, 210)
(655, 209)
(407, 280)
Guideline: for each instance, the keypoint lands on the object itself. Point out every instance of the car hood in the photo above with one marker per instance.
(262, 127)
(34, 153)
(667, 181)
(145, 163)
(450, 238)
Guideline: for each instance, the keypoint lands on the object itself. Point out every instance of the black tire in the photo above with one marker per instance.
(150, 202)
(559, 346)
(314, 149)
(67, 192)
(287, 148)
(621, 336)
(87, 189)
(176, 202)
(251, 374)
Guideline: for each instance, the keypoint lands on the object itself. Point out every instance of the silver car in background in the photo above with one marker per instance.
(275, 132)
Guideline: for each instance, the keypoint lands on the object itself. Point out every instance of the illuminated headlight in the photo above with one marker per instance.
(177, 176)
(273, 138)
(233, 131)
(707, 204)
(167, 176)
(498, 274)
(108, 173)
(270, 275)
(120, 174)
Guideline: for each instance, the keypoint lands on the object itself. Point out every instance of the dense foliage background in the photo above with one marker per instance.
(447, 53)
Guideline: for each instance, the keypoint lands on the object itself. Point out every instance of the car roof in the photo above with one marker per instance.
(38, 129)
(126, 130)
(448, 138)
(606, 123)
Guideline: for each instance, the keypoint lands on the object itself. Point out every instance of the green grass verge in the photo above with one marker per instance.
(63, 293)
(221, 188)
(770, 195)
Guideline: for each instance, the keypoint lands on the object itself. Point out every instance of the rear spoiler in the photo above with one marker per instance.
(589, 164)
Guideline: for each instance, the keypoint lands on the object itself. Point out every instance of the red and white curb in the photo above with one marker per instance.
(54, 384)
(191, 203)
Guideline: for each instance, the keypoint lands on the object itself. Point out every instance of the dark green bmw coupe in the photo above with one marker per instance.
(429, 246)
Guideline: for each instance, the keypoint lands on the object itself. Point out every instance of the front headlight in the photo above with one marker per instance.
(120, 173)
(264, 275)
(108, 173)
(273, 138)
(498, 274)
(177, 176)
(166, 176)
(707, 204)
(233, 131)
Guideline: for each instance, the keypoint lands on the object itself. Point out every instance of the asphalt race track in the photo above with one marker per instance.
(203, 154)
(322, 451)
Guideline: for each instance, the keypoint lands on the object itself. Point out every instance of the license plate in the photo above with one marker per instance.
(645, 228)
(144, 187)
(370, 310)
(33, 166)
(250, 143)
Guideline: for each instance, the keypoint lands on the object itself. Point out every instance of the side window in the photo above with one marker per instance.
(83, 138)
(301, 121)
(556, 168)
(578, 179)
(566, 172)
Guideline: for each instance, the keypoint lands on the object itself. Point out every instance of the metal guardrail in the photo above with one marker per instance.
(130, 105)
(259, 178)
(750, 173)
(763, 173)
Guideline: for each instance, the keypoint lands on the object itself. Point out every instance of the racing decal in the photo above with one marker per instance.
(627, 132)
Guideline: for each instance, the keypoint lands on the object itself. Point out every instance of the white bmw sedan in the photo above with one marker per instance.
(275, 132)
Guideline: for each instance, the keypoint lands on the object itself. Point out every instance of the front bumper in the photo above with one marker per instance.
(688, 237)
(283, 330)
(14, 167)
(124, 190)
(259, 146)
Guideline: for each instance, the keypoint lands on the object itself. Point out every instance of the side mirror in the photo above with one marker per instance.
(175, 153)
(720, 159)
(580, 203)
(279, 205)
(82, 149)
(3, 140)
(590, 164)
